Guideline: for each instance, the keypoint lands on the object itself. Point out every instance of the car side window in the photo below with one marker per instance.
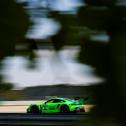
(57, 100)
(54, 101)
(50, 101)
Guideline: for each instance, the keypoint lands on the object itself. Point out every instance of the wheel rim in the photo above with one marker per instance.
(34, 109)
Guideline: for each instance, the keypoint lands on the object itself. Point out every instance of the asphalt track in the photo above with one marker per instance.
(22, 119)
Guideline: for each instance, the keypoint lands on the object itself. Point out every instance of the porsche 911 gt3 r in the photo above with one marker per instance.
(56, 105)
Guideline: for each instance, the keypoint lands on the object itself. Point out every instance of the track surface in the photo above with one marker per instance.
(22, 119)
(17, 119)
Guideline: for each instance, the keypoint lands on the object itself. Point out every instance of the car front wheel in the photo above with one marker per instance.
(35, 109)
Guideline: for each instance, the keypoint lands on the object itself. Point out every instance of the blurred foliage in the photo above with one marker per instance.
(6, 86)
(100, 2)
(68, 34)
(27, 48)
(96, 54)
(89, 101)
(97, 18)
(11, 95)
(14, 23)
(109, 59)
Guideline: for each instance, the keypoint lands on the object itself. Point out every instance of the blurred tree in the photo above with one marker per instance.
(109, 59)
(68, 33)
(6, 86)
(59, 40)
(100, 2)
(12, 95)
(14, 23)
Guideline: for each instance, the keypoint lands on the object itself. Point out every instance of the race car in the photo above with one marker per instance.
(56, 105)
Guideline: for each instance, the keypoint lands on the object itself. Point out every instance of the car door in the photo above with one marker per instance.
(53, 105)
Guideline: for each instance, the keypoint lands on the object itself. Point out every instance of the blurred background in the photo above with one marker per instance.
(66, 48)
(47, 53)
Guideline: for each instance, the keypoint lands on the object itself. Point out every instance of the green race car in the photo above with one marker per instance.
(56, 105)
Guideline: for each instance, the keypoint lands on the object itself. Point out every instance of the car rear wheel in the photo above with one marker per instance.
(64, 109)
(76, 110)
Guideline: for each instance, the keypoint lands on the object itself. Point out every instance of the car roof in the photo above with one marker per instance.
(60, 98)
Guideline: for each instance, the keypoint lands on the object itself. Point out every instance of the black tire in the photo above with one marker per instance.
(34, 110)
(64, 109)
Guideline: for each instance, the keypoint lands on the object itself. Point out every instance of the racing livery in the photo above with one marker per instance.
(56, 105)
